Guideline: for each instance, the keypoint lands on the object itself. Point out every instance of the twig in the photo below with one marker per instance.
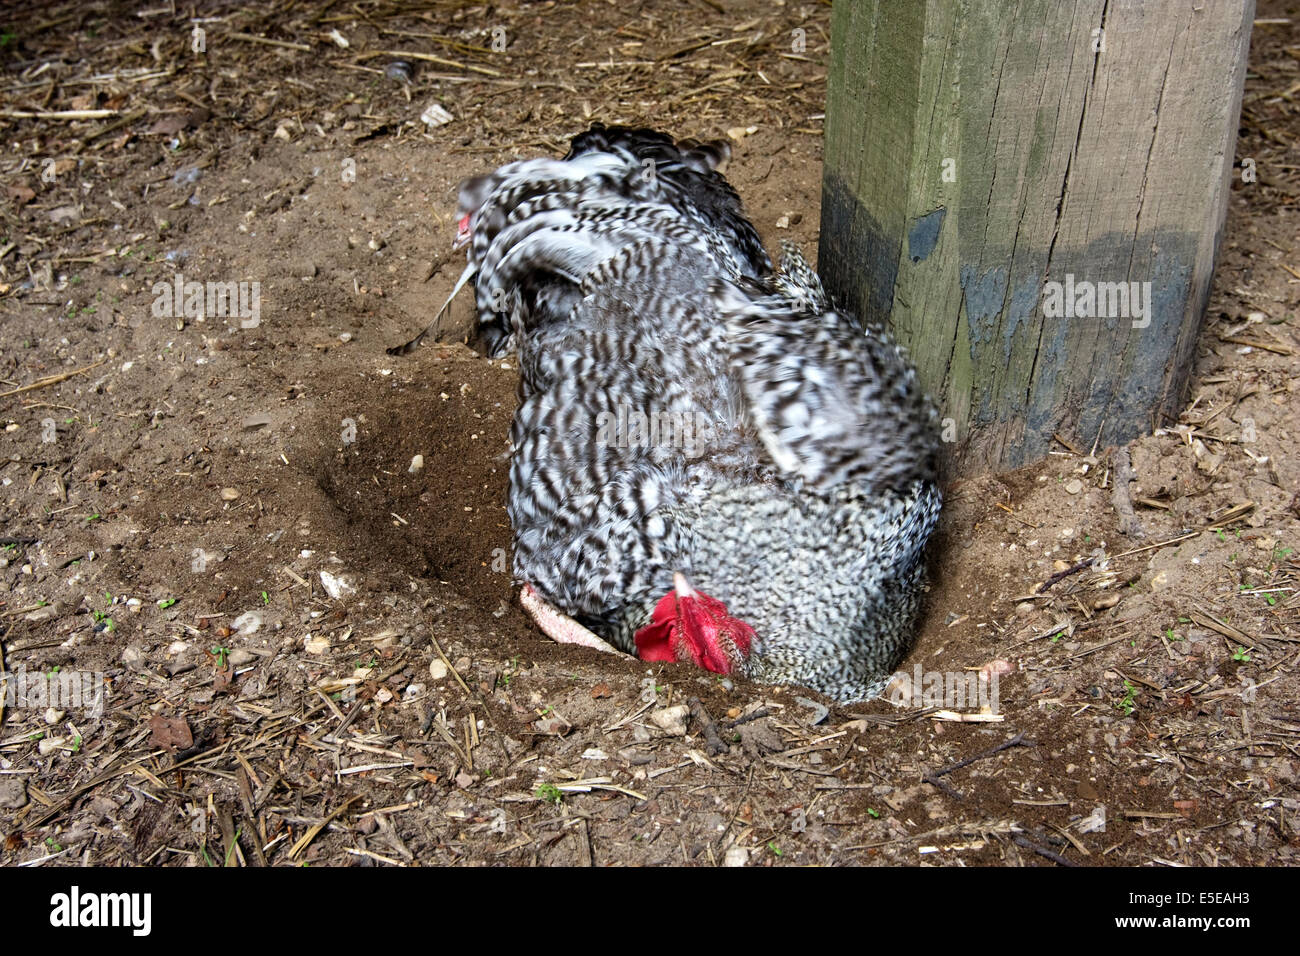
(438, 647)
(1238, 340)
(58, 114)
(1158, 544)
(430, 58)
(715, 743)
(1017, 741)
(597, 783)
(1205, 619)
(746, 718)
(311, 834)
(51, 379)
(1073, 569)
(1128, 521)
(1068, 444)
(250, 38)
(944, 786)
(960, 718)
(1028, 844)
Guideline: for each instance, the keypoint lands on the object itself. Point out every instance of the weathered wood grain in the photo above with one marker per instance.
(977, 151)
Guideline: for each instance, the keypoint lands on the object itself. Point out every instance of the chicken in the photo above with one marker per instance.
(711, 463)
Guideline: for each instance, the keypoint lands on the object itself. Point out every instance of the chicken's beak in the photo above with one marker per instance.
(682, 585)
(462, 233)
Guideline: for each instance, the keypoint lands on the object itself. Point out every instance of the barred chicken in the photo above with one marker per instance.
(711, 463)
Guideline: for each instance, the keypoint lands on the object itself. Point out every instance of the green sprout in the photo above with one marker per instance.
(1128, 703)
(549, 792)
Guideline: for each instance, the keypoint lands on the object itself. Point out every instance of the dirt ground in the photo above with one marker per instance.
(311, 653)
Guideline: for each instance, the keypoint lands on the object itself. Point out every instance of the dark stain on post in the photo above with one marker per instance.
(865, 256)
(924, 234)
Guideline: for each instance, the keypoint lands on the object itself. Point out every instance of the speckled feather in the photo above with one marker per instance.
(683, 407)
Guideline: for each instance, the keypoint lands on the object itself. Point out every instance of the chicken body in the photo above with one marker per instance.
(687, 410)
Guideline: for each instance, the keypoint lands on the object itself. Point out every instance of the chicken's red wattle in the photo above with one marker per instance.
(694, 627)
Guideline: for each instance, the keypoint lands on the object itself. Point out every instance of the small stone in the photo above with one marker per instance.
(47, 613)
(1105, 601)
(552, 724)
(1094, 822)
(1073, 486)
(671, 720)
(229, 494)
(1207, 461)
(417, 464)
(316, 645)
(437, 669)
(434, 115)
(13, 793)
(735, 856)
(400, 70)
(48, 745)
(52, 716)
(64, 214)
(998, 667)
(247, 623)
(133, 657)
(241, 656)
(337, 586)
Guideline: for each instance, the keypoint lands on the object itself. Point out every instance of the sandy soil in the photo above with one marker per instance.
(309, 652)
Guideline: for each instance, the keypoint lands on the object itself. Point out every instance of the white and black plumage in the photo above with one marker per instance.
(710, 462)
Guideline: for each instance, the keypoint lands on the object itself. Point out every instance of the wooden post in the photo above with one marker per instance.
(1032, 196)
